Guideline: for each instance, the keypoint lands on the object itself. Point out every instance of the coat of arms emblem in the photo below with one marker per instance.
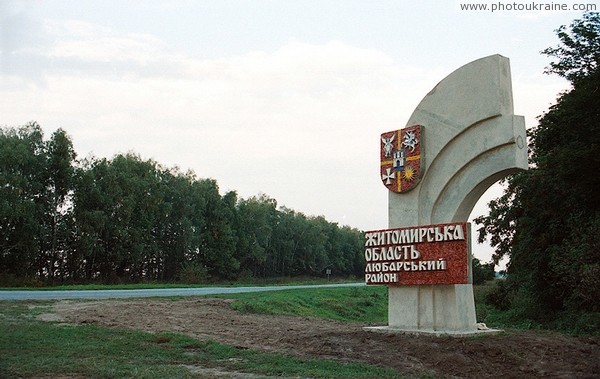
(401, 163)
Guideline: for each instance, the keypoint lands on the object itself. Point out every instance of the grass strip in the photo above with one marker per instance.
(285, 281)
(350, 304)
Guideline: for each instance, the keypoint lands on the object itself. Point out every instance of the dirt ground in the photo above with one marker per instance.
(513, 354)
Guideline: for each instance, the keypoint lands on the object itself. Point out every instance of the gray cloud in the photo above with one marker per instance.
(22, 41)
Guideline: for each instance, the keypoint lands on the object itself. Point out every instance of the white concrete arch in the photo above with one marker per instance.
(471, 139)
(455, 185)
(468, 113)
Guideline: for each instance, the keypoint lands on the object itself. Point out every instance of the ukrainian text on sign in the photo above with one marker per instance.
(433, 254)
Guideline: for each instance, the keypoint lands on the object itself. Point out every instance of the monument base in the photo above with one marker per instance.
(437, 333)
(432, 308)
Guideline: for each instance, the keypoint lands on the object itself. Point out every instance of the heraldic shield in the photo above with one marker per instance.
(401, 163)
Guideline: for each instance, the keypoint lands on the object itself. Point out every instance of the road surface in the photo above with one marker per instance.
(159, 292)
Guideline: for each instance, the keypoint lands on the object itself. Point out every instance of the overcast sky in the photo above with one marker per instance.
(285, 98)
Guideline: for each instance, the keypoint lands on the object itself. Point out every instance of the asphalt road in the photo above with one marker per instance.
(161, 292)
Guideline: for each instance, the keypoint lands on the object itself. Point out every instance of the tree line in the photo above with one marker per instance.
(125, 219)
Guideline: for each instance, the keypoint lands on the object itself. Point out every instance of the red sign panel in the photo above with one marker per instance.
(401, 162)
(421, 255)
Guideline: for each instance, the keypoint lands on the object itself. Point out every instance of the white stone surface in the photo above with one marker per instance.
(471, 140)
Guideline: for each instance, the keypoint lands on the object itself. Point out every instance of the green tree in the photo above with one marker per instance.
(176, 231)
(287, 236)
(316, 247)
(579, 51)
(255, 221)
(548, 219)
(36, 185)
(60, 174)
(482, 272)
(118, 205)
(215, 242)
(22, 194)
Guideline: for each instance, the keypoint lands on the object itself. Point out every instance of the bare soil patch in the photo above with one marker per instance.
(513, 354)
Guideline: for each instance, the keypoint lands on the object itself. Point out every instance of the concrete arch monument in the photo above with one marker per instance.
(465, 137)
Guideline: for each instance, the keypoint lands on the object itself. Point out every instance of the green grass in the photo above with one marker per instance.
(135, 286)
(156, 285)
(350, 304)
(31, 348)
(95, 351)
(515, 317)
